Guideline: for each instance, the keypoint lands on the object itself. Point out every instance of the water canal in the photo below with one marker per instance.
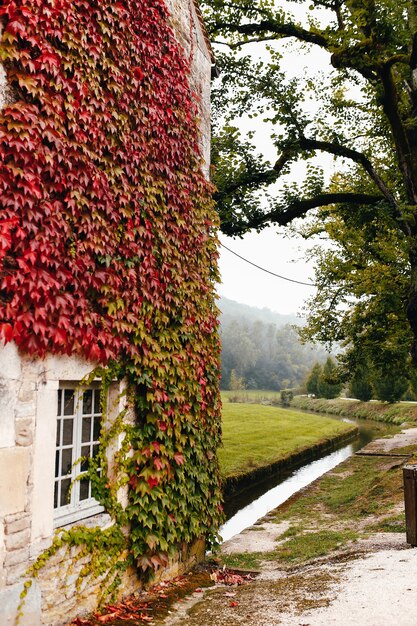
(244, 509)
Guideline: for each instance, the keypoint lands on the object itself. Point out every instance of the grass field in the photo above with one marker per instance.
(252, 395)
(256, 436)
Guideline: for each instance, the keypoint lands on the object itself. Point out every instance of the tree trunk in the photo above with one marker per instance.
(412, 299)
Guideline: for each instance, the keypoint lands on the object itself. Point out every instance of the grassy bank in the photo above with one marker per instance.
(359, 499)
(354, 409)
(256, 436)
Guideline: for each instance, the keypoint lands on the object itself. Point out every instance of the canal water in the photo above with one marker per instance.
(247, 507)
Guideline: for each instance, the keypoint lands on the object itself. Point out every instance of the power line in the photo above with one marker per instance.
(290, 280)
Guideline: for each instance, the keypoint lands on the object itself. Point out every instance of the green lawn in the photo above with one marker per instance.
(256, 435)
(258, 396)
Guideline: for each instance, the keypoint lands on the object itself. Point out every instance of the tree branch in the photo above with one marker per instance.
(277, 30)
(354, 57)
(354, 155)
(296, 209)
(247, 180)
(397, 58)
(253, 180)
(337, 9)
(257, 179)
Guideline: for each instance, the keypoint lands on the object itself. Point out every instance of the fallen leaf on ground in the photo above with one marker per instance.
(108, 617)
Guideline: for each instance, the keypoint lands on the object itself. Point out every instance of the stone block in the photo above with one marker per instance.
(10, 362)
(9, 602)
(8, 391)
(25, 410)
(14, 471)
(24, 432)
(17, 522)
(37, 547)
(16, 557)
(27, 392)
(19, 540)
(16, 573)
(2, 553)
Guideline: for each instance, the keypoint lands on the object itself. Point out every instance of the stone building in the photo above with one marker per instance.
(46, 422)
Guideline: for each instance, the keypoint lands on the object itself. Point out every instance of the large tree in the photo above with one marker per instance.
(362, 285)
(365, 116)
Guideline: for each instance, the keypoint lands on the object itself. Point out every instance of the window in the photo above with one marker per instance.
(77, 435)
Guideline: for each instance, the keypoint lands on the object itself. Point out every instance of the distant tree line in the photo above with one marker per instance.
(259, 355)
(366, 383)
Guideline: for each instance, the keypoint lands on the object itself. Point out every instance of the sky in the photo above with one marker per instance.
(269, 249)
(274, 252)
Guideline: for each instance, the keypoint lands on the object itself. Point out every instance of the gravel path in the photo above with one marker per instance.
(378, 590)
(374, 586)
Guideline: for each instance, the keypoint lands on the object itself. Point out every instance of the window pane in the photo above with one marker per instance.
(86, 430)
(85, 452)
(68, 402)
(87, 402)
(68, 432)
(58, 433)
(97, 408)
(66, 464)
(97, 425)
(78, 430)
(65, 489)
(84, 489)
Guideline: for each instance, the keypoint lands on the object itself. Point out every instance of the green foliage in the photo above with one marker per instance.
(362, 293)
(360, 386)
(390, 386)
(364, 115)
(286, 396)
(253, 396)
(236, 382)
(313, 379)
(328, 386)
(378, 411)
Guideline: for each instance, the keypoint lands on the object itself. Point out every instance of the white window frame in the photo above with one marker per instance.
(76, 509)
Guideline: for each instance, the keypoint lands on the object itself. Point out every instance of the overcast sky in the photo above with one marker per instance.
(274, 252)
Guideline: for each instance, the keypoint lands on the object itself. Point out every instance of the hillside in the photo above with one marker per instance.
(261, 349)
(232, 309)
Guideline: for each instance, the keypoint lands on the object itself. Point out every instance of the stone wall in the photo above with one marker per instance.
(28, 391)
(187, 25)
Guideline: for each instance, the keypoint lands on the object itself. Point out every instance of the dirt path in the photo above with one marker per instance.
(367, 576)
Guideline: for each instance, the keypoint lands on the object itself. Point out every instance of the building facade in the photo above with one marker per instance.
(48, 419)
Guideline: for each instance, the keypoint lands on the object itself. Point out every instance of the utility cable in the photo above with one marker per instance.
(290, 280)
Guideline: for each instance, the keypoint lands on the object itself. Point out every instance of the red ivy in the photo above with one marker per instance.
(106, 242)
(99, 176)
